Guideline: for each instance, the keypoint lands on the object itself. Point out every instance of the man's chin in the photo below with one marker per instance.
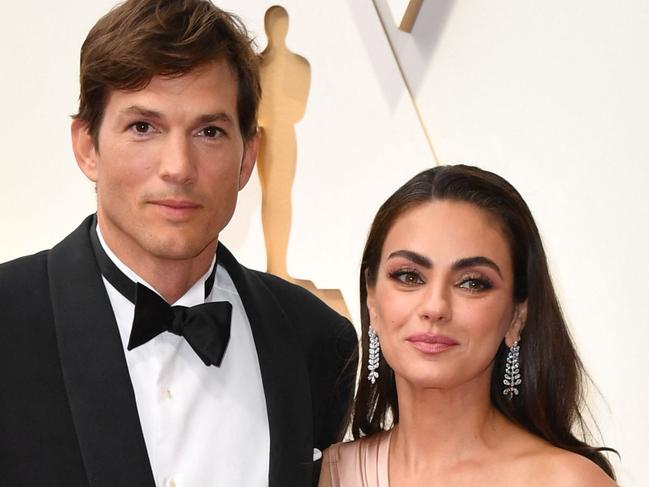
(185, 249)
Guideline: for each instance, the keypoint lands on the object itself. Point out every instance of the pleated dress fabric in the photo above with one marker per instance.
(360, 463)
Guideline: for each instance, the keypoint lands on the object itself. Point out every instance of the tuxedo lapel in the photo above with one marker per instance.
(284, 376)
(96, 376)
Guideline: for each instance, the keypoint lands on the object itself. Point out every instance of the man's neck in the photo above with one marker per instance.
(171, 278)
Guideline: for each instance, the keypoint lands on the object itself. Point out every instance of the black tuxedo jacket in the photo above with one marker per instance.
(68, 415)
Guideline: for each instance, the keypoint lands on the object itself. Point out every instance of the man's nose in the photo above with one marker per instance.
(176, 161)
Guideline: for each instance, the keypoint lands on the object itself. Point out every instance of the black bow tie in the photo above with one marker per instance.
(206, 327)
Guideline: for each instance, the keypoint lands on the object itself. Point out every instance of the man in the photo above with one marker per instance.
(103, 383)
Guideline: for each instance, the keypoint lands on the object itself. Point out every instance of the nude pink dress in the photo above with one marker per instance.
(360, 463)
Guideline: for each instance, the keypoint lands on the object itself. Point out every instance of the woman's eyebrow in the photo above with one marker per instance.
(412, 256)
(476, 261)
(457, 265)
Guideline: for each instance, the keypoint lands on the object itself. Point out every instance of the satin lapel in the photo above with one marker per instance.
(284, 375)
(94, 368)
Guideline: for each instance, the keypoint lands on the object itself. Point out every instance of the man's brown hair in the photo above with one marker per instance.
(140, 39)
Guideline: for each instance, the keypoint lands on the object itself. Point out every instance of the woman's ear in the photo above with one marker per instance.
(84, 149)
(370, 301)
(517, 324)
(371, 309)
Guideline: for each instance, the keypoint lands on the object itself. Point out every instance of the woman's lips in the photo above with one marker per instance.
(432, 344)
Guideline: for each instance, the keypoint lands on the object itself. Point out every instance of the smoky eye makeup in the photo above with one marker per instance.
(474, 282)
(409, 276)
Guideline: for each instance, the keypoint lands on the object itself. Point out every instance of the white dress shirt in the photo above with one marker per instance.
(203, 426)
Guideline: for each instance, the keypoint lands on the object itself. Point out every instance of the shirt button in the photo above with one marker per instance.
(165, 394)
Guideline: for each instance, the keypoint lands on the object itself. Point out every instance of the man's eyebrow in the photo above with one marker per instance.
(412, 256)
(201, 119)
(476, 261)
(144, 112)
(214, 117)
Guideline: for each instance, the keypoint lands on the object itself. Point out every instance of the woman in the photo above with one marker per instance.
(473, 378)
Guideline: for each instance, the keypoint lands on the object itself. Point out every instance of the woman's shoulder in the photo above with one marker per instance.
(549, 465)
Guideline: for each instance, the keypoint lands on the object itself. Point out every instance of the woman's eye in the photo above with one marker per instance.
(211, 132)
(475, 285)
(410, 278)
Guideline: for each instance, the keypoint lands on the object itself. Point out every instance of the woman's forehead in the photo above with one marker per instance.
(446, 230)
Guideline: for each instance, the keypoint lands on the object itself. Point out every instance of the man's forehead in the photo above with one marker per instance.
(210, 90)
(217, 72)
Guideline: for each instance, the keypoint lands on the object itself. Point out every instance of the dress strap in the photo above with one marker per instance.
(360, 463)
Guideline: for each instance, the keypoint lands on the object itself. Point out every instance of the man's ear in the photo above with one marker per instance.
(250, 150)
(84, 149)
(517, 324)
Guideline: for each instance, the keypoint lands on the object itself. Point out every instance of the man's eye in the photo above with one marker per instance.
(211, 131)
(141, 127)
(410, 278)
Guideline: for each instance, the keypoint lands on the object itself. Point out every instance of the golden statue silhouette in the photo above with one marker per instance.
(285, 82)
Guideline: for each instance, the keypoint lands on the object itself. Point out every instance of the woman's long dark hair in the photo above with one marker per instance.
(552, 390)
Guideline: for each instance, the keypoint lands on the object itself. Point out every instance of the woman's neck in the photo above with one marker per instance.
(439, 428)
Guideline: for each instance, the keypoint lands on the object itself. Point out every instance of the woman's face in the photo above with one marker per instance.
(442, 302)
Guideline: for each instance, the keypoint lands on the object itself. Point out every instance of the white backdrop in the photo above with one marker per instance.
(552, 95)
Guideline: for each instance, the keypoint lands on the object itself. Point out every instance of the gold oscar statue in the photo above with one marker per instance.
(285, 81)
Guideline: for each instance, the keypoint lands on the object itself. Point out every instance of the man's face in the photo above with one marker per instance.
(169, 164)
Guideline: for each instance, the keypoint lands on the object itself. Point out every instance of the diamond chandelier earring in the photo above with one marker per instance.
(373, 356)
(512, 374)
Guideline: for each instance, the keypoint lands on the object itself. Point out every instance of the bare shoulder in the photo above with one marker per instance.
(561, 468)
(577, 470)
